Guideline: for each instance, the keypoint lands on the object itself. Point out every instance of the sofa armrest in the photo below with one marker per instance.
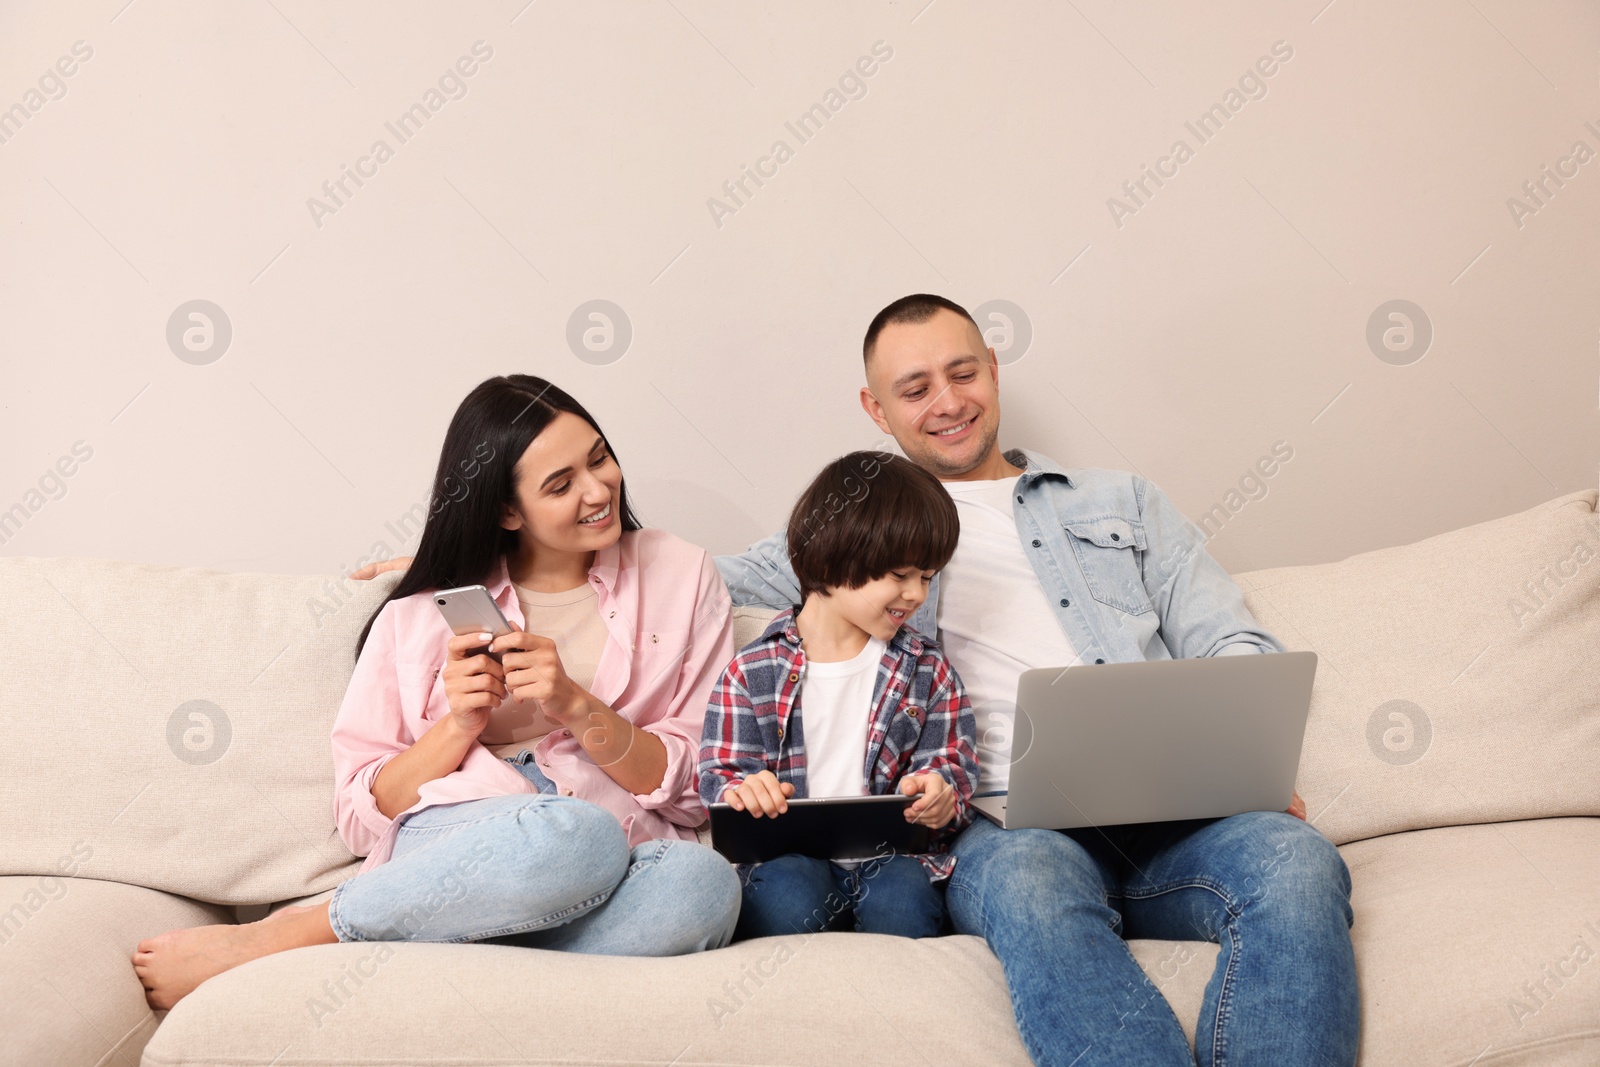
(68, 993)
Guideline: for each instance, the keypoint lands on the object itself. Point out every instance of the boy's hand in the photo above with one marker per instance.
(938, 803)
(760, 794)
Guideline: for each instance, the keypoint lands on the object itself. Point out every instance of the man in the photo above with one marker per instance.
(1058, 567)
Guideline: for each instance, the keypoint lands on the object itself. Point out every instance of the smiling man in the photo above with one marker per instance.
(1058, 566)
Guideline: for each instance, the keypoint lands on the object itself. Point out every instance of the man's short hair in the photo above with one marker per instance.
(867, 514)
(918, 307)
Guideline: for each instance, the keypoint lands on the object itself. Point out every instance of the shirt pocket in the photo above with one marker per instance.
(416, 682)
(1110, 552)
(658, 656)
(902, 738)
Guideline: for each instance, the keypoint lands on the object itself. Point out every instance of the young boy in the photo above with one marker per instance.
(838, 698)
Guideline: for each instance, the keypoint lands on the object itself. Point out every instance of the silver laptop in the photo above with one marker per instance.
(1117, 743)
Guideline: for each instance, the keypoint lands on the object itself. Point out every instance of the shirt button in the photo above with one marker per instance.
(1066, 603)
(1019, 500)
(1116, 537)
(1099, 661)
(912, 711)
(794, 677)
(1035, 542)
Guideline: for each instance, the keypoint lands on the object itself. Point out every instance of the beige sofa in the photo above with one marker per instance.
(166, 764)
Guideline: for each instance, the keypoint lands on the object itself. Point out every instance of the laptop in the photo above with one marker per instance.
(1118, 743)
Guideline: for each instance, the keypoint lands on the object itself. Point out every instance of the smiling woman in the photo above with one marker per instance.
(545, 778)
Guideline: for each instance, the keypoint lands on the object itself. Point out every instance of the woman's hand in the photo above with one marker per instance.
(938, 803)
(473, 681)
(533, 671)
(760, 794)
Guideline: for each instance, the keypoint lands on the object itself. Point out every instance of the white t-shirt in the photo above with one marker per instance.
(835, 718)
(994, 620)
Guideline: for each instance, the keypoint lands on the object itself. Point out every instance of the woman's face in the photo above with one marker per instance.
(568, 492)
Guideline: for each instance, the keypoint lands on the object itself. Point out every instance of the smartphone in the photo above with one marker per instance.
(471, 610)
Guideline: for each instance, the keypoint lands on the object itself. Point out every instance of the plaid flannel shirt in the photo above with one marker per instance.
(921, 721)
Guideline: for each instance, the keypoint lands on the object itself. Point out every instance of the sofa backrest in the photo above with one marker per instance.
(1458, 679)
(169, 728)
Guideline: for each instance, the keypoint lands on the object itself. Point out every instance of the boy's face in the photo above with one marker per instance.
(884, 604)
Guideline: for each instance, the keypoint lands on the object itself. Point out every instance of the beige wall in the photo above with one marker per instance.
(1184, 333)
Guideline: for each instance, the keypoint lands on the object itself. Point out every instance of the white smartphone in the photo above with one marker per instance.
(471, 610)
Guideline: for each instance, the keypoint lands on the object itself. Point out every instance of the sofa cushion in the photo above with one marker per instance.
(175, 724)
(68, 992)
(1479, 944)
(750, 623)
(823, 999)
(1458, 679)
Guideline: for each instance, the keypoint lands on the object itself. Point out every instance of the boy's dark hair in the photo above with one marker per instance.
(918, 307)
(866, 514)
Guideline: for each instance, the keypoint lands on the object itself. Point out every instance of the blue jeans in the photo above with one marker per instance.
(1269, 889)
(798, 894)
(541, 871)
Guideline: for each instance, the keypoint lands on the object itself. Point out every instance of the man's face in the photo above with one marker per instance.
(935, 387)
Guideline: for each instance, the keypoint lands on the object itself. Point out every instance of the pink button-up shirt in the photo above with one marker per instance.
(670, 634)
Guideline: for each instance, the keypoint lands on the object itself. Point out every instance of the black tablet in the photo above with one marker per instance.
(826, 828)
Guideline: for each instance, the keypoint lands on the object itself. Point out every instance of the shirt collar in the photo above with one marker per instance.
(607, 563)
(1035, 466)
(499, 582)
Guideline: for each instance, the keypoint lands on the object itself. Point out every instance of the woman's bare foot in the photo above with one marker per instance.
(172, 964)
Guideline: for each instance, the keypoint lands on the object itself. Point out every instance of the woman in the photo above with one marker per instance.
(540, 792)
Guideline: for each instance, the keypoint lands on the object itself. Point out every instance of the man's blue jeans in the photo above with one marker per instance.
(1269, 889)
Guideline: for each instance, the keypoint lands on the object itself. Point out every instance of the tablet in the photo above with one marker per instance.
(825, 828)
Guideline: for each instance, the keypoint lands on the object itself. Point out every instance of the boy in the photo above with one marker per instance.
(838, 698)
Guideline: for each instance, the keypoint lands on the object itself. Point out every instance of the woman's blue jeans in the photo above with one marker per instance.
(541, 871)
(1269, 889)
(798, 894)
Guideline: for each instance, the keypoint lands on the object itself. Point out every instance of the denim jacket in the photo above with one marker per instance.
(1126, 574)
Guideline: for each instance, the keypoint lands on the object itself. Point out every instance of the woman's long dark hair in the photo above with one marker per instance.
(462, 539)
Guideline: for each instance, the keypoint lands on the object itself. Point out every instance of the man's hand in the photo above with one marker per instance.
(1297, 806)
(372, 570)
(938, 803)
(760, 794)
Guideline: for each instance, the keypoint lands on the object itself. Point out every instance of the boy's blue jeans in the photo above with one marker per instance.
(798, 894)
(542, 871)
(1269, 889)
